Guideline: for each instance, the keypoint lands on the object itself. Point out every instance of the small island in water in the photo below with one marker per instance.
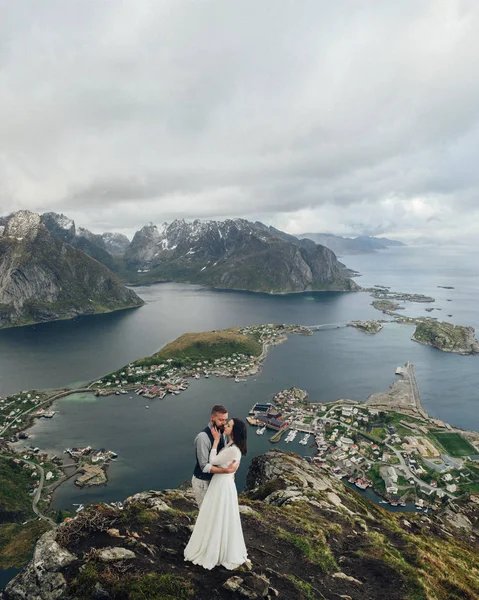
(444, 336)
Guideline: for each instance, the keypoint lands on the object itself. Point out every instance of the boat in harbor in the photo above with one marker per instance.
(261, 430)
(305, 439)
(291, 435)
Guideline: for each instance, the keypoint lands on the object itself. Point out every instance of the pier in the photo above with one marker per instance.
(415, 397)
(278, 435)
(403, 396)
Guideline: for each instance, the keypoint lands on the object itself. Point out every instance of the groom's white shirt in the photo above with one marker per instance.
(203, 447)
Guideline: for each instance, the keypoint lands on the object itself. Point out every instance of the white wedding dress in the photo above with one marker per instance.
(217, 538)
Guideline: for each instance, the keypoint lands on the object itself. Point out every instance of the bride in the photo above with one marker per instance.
(217, 538)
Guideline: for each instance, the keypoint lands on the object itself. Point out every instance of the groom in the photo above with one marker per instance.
(204, 471)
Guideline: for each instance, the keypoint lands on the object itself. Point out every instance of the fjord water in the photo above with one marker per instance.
(155, 444)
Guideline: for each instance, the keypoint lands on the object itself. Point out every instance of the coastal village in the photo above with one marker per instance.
(388, 443)
(405, 456)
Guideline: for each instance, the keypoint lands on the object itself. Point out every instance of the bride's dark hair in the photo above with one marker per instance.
(239, 435)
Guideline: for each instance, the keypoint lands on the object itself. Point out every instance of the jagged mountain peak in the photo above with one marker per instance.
(60, 219)
(60, 226)
(23, 224)
(115, 243)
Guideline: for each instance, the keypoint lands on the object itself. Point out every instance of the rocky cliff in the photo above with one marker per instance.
(234, 254)
(107, 248)
(308, 537)
(231, 254)
(43, 278)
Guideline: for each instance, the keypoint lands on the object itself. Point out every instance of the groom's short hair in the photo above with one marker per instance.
(218, 408)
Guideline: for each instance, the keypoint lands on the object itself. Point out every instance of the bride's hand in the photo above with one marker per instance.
(216, 434)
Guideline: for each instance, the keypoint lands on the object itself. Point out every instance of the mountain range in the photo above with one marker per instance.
(52, 269)
(231, 254)
(44, 278)
(361, 244)
(235, 254)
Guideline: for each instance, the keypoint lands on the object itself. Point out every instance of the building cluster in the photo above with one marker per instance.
(344, 436)
(267, 415)
(171, 378)
(91, 454)
(12, 409)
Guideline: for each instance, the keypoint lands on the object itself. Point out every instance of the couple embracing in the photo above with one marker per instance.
(217, 538)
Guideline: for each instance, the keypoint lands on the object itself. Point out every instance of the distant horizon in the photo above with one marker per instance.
(417, 240)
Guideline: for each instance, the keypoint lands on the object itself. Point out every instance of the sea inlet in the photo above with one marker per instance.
(155, 445)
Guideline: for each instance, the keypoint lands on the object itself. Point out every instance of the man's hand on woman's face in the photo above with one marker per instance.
(216, 434)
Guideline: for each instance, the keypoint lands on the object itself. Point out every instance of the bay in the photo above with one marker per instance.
(155, 444)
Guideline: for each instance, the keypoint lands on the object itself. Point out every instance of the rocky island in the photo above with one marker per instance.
(388, 307)
(371, 326)
(431, 332)
(446, 336)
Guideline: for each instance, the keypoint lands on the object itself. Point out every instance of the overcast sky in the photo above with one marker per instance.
(342, 116)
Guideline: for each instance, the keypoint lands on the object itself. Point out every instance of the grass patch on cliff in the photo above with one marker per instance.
(162, 587)
(305, 589)
(454, 444)
(121, 586)
(17, 542)
(448, 569)
(312, 547)
(197, 347)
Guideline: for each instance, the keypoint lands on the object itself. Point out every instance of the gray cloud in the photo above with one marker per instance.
(348, 117)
